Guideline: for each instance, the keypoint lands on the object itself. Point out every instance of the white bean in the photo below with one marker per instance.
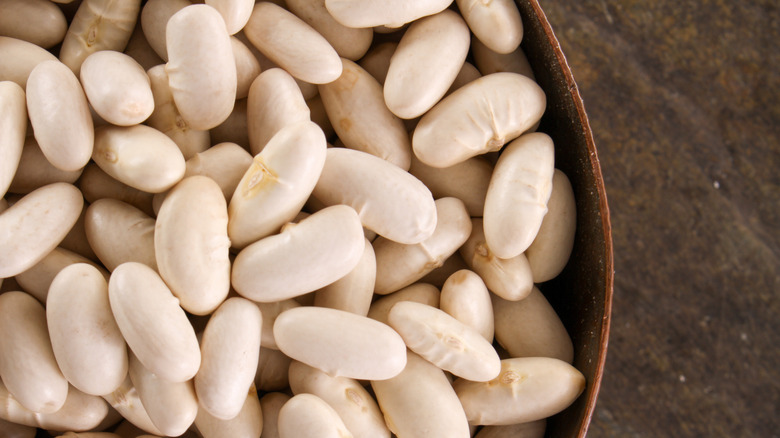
(354, 291)
(127, 402)
(248, 423)
(37, 280)
(40, 22)
(15, 430)
(247, 67)
(465, 297)
(19, 59)
(321, 420)
(371, 13)
(225, 163)
(377, 61)
(419, 292)
(467, 181)
(35, 170)
(13, 125)
(489, 62)
(154, 20)
(119, 233)
(496, 23)
(235, 13)
(533, 429)
(272, 370)
(270, 312)
(96, 184)
(349, 42)
(272, 403)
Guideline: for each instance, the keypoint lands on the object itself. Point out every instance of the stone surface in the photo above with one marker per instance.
(684, 102)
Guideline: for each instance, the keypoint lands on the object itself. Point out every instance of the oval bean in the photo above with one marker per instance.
(349, 42)
(533, 429)
(234, 128)
(371, 13)
(321, 420)
(19, 59)
(96, 184)
(117, 87)
(354, 291)
(119, 233)
(272, 370)
(438, 276)
(127, 402)
(154, 21)
(271, 404)
(496, 23)
(139, 49)
(225, 163)
(247, 67)
(80, 412)
(35, 171)
(467, 181)
(419, 292)
(37, 280)
(248, 423)
(40, 22)
(489, 62)
(13, 125)
(235, 13)
(465, 297)
(270, 312)
(377, 61)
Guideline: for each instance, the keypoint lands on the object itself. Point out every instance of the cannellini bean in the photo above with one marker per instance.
(353, 404)
(444, 341)
(234, 129)
(38, 278)
(478, 118)
(272, 403)
(172, 406)
(201, 67)
(86, 341)
(139, 49)
(303, 258)
(154, 326)
(27, 363)
(154, 20)
(390, 202)
(319, 115)
(489, 62)
(531, 328)
(89, 435)
(40, 22)
(467, 181)
(117, 88)
(274, 102)
(421, 70)
(321, 420)
(419, 292)
(248, 423)
(516, 200)
(292, 44)
(358, 114)
(550, 250)
(119, 233)
(59, 114)
(76, 239)
(229, 352)
(167, 119)
(511, 279)
(357, 13)
(225, 163)
(191, 244)
(496, 23)
(15, 430)
(421, 402)
(377, 61)
(35, 171)
(19, 59)
(340, 343)
(527, 389)
(235, 13)
(139, 156)
(399, 265)
(35, 225)
(96, 184)
(468, 73)
(533, 429)
(127, 402)
(465, 297)
(351, 43)
(275, 187)
(354, 291)
(270, 312)
(438, 276)
(98, 25)
(13, 125)
(247, 67)
(80, 412)
(272, 370)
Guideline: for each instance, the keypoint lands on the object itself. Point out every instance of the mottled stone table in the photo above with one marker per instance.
(684, 102)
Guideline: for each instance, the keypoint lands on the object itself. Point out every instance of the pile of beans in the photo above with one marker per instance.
(290, 219)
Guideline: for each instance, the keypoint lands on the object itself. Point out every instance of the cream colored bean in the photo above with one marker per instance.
(154, 326)
(14, 430)
(98, 25)
(467, 181)
(89, 435)
(167, 119)
(359, 116)
(292, 44)
(127, 402)
(235, 13)
(38, 21)
(468, 73)
(489, 62)
(119, 233)
(511, 279)
(35, 225)
(86, 341)
(275, 187)
(201, 67)
(35, 171)
(59, 114)
(353, 404)
(13, 125)
(478, 118)
(172, 406)
(531, 328)
(357, 13)
(533, 429)
(465, 297)
(248, 423)
(139, 156)
(550, 250)
(399, 265)
(272, 403)
(154, 20)
(96, 184)
(419, 292)
(422, 69)
(377, 60)
(139, 49)
(320, 116)
(272, 370)
(274, 102)
(354, 291)
(528, 389)
(80, 412)
(438, 276)
(351, 43)
(321, 420)
(229, 351)
(191, 244)
(390, 202)
(496, 23)
(19, 59)
(340, 343)
(225, 163)
(38, 278)
(421, 402)
(247, 67)
(516, 200)
(444, 341)
(270, 312)
(76, 239)
(117, 88)
(303, 258)
(27, 363)
(234, 129)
